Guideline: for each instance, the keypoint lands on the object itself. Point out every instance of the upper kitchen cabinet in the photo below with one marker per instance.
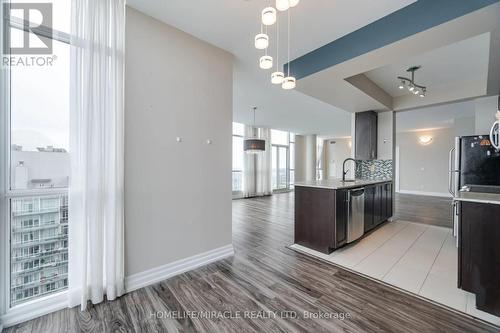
(366, 135)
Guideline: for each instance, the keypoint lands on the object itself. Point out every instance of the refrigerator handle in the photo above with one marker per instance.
(451, 171)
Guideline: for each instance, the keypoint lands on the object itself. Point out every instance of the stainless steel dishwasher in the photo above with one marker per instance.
(355, 214)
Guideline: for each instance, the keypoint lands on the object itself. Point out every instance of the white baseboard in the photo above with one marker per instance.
(34, 309)
(157, 274)
(432, 194)
(56, 302)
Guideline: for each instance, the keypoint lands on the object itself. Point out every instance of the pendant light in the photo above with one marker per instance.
(266, 62)
(254, 145)
(261, 40)
(268, 16)
(278, 76)
(293, 3)
(282, 5)
(289, 82)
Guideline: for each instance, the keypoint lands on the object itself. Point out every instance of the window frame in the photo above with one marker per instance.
(31, 308)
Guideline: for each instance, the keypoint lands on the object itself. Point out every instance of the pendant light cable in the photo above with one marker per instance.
(289, 19)
(277, 45)
(266, 35)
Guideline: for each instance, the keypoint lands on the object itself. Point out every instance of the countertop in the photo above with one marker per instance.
(337, 184)
(487, 198)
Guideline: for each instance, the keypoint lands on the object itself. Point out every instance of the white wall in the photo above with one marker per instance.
(337, 150)
(485, 109)
(424, 168)
(384, 135)
(177, 195)
(305, 157)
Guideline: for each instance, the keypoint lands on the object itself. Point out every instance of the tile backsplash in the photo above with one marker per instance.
(373, 169)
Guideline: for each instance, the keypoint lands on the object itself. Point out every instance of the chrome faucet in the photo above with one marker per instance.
(343, 167)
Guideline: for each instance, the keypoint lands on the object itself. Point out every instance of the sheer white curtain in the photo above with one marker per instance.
(257, 167)
(96, 258)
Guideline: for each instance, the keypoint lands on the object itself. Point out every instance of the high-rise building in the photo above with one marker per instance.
(39, 246)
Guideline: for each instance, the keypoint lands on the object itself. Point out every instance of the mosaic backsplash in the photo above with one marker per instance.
(373, 169)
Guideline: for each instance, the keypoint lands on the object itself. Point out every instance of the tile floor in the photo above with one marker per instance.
(419, 258)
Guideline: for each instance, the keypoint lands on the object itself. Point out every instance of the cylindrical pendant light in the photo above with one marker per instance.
(266, 62)
(261, 41)
(282, 5)
(268, 16)
(293, 3)
(277, 77)
(289, 82)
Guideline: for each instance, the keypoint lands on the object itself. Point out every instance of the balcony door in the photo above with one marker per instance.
(280, 167)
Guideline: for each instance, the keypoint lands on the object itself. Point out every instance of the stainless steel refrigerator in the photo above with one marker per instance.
(474, 165)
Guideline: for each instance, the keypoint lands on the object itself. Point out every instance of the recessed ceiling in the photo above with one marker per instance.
(460, 57)
(231, 25)
(447, 66)
(441, 116)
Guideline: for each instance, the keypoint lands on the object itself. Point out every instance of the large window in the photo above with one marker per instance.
(281, 160)
(238, 134)
(38, 160)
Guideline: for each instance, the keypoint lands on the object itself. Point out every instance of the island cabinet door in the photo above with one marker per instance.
(479, 254)
(315, 218)
(369, 207)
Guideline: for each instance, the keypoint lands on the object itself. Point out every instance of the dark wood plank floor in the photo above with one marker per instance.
(424, 209)
(263, 276)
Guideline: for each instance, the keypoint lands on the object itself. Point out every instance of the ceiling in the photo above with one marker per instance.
(314, 23)
(441, 116)
(457, 63)
(460, 61)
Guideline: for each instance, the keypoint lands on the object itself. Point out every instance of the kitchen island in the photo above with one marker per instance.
(479, 248)
(332, 213)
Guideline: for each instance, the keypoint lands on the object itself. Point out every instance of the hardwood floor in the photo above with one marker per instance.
(424, 209)
(262, 276)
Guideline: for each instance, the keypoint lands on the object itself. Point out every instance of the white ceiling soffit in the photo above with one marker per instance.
(435, 117)
(479, 29)
(232, 25)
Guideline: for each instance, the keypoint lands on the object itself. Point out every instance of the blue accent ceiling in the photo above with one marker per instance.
(412, 19)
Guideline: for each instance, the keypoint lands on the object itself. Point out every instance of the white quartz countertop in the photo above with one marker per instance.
(487, 198)
(337, 184)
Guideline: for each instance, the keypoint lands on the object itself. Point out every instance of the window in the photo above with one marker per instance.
(238, 158)
(38, 162)
(281, 157)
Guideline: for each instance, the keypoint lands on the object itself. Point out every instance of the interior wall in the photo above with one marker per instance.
(337, 150)
(177, 194)
(305, 157)
(485, 109)
(384, 135)
(424, 168)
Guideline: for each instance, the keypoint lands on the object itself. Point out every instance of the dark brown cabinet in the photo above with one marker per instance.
(366, 135)
(378, 204)
(320, 218)
(479, 254)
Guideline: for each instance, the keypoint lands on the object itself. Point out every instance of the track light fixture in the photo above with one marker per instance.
(416, 89)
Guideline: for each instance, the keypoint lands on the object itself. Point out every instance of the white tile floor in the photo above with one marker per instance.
(419, 258)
